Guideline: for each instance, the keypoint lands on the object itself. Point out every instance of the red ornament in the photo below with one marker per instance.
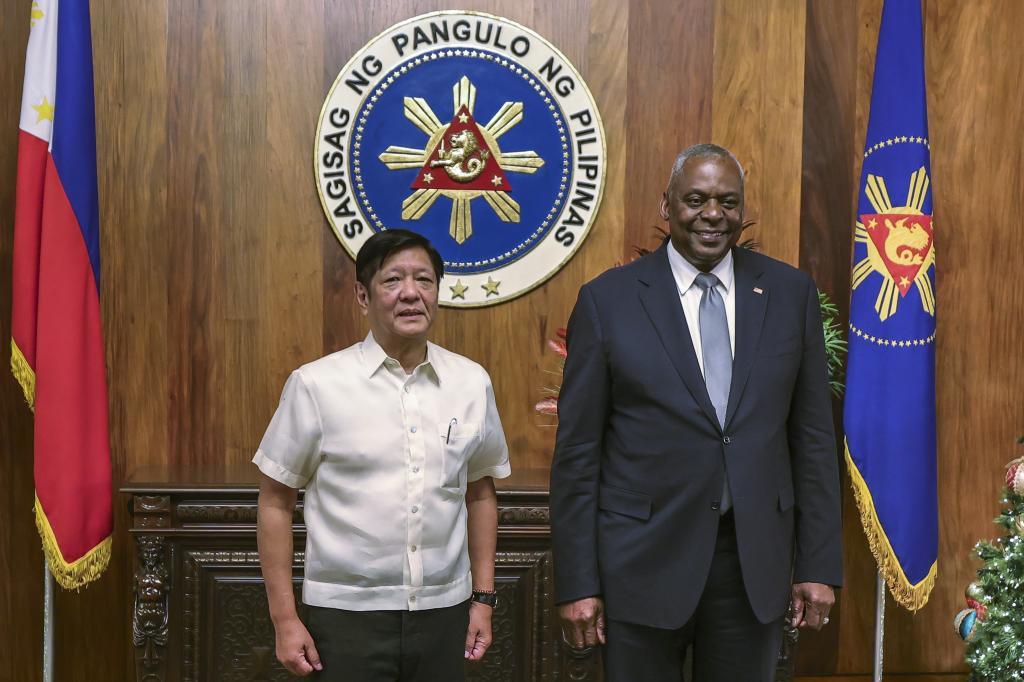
(548, 405)
(558, 346)
(1015, 476)
(978, 607)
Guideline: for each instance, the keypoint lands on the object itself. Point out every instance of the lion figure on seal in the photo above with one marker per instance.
(459, 162)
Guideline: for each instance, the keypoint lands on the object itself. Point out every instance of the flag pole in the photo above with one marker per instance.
(879, 625)
(47, 622)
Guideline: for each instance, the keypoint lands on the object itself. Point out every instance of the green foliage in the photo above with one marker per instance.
(835, 345)
(996, 651)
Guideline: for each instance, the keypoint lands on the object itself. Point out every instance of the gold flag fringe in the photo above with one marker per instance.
(80, 572)
(906, 594)
(24, 374)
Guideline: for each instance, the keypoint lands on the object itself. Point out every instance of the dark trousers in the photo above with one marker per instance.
(729, 643)
(390, 646)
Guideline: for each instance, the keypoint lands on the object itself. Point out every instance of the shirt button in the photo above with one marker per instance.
(415, 509)
(413, 429)
(412, 598)
(407, 389)
(413, 548)
(727, 440)
(415, 469)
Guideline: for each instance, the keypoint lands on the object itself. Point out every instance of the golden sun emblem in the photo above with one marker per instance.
(461, 160)
(900, 244)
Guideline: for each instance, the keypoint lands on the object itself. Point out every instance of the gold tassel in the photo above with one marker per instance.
(905, 593)
(24, 374)
(80, 572)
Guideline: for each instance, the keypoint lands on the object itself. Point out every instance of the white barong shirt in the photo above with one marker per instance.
(385, 457)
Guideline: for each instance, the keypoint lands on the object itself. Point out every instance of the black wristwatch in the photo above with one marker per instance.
(485, 597)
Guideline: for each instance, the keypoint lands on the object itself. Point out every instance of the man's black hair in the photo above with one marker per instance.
(384, 244)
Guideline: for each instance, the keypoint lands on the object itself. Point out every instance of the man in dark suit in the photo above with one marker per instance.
(695, 486)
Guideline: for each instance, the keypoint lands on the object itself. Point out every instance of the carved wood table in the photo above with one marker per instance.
(200, 609)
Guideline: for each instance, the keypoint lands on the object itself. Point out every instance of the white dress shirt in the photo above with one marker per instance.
(690, 292)
(385, 457)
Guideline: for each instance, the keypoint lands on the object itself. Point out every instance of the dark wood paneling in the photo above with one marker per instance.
(976, 181)
(20, 558)
(21, 561)
(828, 184)
(757, 112)
(912, 677)
(976, 110)
(579, 30)
(289, 316)
(221, 275)
(827, 195)
(670, 70)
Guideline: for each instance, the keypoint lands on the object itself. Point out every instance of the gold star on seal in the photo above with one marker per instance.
(428, 178)
(459, 290)
(463, 118)
(44, 109)
(491, 287)
(496, 180)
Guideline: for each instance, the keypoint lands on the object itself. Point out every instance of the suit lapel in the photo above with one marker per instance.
(660, 300)
(750, 307)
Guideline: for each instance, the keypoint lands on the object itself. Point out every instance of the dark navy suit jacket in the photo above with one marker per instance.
(640, 457)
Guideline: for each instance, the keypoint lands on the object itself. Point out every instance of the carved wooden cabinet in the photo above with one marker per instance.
(200, 609)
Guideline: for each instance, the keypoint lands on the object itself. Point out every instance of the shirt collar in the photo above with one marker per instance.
(374, 356)
(684, 272)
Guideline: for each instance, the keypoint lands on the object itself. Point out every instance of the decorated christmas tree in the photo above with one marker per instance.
(993, 625)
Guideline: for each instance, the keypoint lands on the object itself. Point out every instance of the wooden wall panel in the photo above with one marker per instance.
(290, 314)
(826, 215)
(971, 59)
(221, 274)
(757, 112)
(508, 339)
(21, 561)
(200, 195)
(976, 110)
(670, 72)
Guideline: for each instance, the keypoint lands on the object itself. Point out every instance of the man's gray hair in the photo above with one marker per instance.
(702, 151)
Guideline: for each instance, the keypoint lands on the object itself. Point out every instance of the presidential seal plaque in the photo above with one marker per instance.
(475, 132)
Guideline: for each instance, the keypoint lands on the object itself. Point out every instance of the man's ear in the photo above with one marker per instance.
(362, 296)
(664, 206)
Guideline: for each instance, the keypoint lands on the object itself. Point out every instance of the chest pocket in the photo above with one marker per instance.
(457, 445)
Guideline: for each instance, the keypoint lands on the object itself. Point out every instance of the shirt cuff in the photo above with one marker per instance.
(278, 472)
(500, 471)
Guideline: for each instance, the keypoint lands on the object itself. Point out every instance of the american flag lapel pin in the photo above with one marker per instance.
(758, 290)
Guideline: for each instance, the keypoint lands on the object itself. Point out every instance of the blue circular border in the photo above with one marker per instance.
(379, 96)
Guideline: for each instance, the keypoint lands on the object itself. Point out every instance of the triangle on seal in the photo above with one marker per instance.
(903, 242)
(462, 160)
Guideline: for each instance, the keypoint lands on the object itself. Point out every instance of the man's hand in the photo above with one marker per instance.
(811, 604)
(295, 648)
(583, 622)
(478, 636)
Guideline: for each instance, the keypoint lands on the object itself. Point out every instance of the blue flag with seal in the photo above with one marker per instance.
(889, 414)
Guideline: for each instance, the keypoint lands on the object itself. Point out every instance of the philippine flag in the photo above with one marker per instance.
(56, 331)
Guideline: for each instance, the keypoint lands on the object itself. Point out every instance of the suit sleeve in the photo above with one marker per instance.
(575, 470)
(812, 443)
